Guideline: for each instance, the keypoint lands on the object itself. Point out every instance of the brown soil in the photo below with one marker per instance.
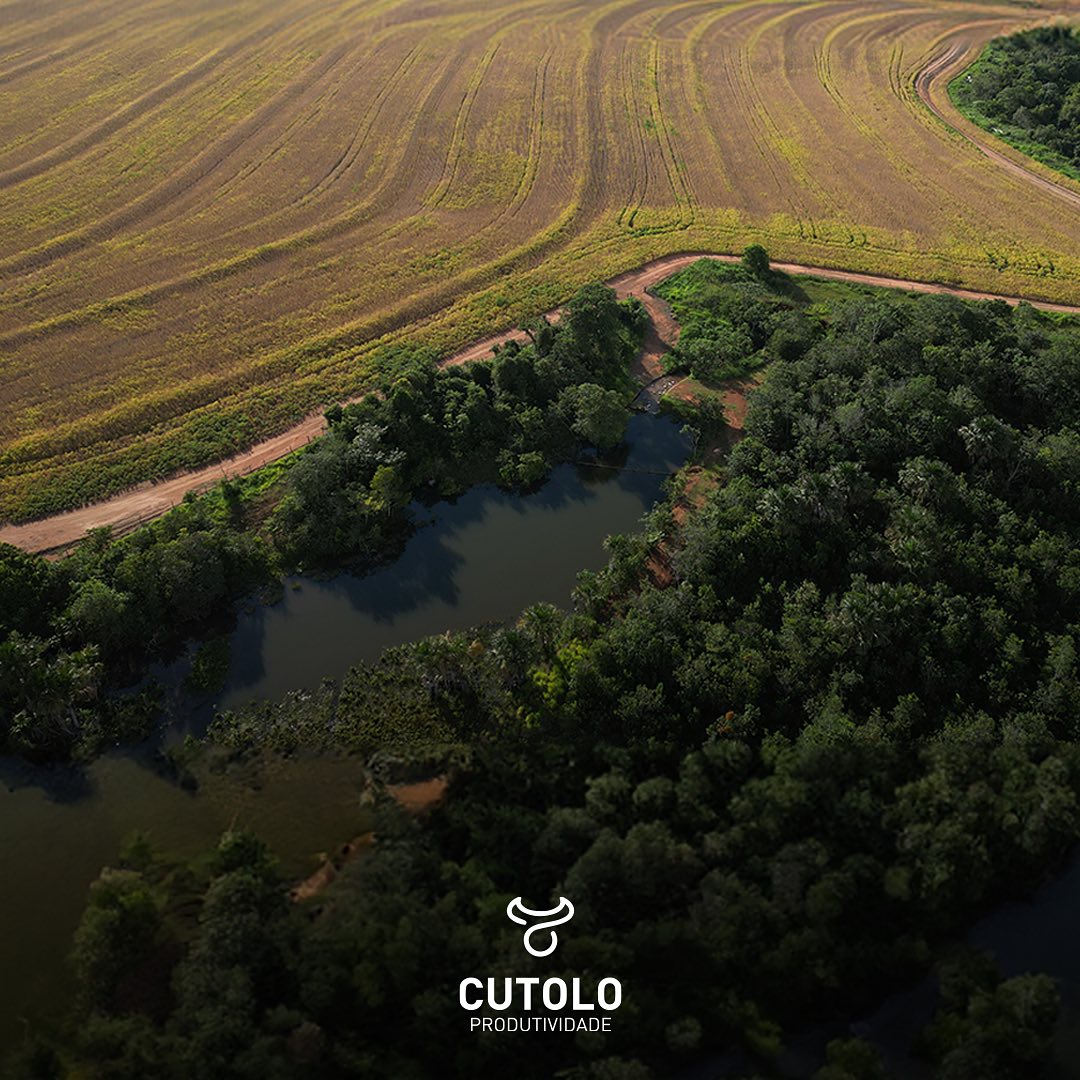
(416, 798)
(735, 394)
(207, 218)
(421, 796)
(699, 483)
(331, 865)
(126, 511)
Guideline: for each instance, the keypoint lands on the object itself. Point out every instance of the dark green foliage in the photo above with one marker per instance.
(29, 588)
(1026, 88)
(73, 631)
(431, 430)
(852, 1059)
(988, 1027)
(735, 318)
(717, 352)
(86, 624)
(210, 665)
(596, 415)
(222, 989)
(117, 933)
(770, 790)
(35, 1059)
(755, 261)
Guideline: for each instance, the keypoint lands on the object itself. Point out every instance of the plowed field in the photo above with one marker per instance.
(213, 212)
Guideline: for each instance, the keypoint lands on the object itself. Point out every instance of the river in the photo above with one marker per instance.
(1024, 937)
(480, 558)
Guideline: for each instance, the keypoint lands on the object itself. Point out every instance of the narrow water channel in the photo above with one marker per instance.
(480, 558)
(1037, 936)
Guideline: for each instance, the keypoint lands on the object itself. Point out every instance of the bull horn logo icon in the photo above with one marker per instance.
(555, 917)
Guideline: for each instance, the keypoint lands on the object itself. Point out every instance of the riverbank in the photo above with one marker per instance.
(480, 558)
(127, 511)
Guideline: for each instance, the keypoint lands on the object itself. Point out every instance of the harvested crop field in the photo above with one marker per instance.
(214, 212)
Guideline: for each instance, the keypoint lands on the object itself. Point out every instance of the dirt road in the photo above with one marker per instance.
(131, 508)
(931, 85)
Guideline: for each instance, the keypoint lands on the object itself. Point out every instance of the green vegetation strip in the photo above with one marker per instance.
(1025, 89)
(71, 631)
(772, 789)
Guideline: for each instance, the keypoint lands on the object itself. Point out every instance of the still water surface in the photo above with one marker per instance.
(1027, 937)
(480, 558)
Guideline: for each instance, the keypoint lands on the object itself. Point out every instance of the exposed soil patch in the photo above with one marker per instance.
(700, 482)
(735, 394)
(417, 798)
(209, 221)
(420, 796)
(330, 867)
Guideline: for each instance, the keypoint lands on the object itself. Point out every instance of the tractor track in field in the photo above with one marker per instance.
(136, 506)
(127, 114)
(939, 71)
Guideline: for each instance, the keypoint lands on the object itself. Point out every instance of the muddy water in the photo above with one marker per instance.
(481, 558)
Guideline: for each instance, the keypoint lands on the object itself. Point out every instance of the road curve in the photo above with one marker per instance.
(138, 505)
(931, 85)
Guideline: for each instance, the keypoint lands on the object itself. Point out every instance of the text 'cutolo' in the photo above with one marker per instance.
(555, 995)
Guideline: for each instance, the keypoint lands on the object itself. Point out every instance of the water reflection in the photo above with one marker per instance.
(58, 783)
(1024, 937)
(480, 558)
(55, 839)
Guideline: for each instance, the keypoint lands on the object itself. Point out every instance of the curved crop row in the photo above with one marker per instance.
(199, 251)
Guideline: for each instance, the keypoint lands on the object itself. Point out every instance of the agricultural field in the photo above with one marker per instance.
(215, 213)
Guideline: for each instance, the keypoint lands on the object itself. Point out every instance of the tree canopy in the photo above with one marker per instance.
(1026, 87)
(71, 632)
(771, 788)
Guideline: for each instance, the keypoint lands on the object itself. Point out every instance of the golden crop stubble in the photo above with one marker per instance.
(208, 224)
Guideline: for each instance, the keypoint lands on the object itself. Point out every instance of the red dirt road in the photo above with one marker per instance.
(125, 511)
(931, 85)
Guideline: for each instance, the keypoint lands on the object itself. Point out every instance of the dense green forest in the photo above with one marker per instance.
(1026, 89)
(73, 631)
(771, 789)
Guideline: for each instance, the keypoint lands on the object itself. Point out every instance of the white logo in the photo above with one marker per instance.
(568, 1000)
(515, 909)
